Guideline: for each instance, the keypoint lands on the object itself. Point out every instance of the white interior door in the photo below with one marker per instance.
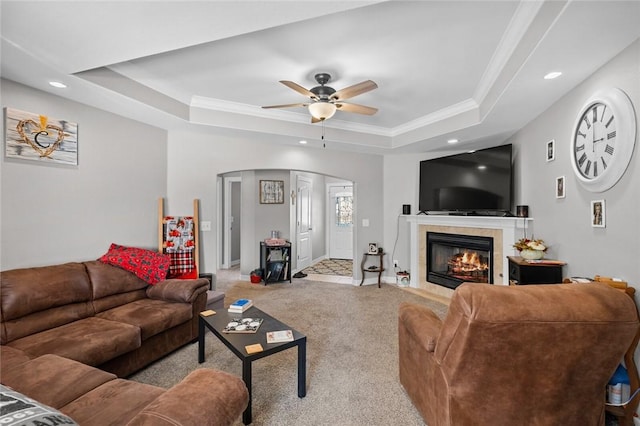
(303, 222)
(341, 222)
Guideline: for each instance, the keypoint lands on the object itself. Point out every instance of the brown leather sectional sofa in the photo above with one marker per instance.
(89, 396)
(98, 314)
(102, 316)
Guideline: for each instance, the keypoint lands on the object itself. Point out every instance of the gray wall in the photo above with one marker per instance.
(271, 217)
(565, 223)
(222, 154)
(279, 217)
(319, 218)
(125, 166)
(562, 223)
(59, 214)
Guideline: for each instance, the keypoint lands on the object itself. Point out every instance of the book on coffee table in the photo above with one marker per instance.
(279, 336)
(240, 305)
(243, 325)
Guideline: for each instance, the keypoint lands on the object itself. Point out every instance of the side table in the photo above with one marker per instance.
(522, 272)
(377, 269)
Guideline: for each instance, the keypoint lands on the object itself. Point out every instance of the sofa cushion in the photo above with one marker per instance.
(147, 265)
(113, 403)
(169, 408)
(29, 290)
(91, 341)
(20, 410)
(151, 316)
(107, 280)
(178, 290)
(39, 298)
(69, 378)
(11, 357)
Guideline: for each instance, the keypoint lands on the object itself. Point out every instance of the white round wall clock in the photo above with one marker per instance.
(603, 139)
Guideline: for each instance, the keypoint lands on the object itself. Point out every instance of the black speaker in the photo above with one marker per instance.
(406, 209)
(522, 211)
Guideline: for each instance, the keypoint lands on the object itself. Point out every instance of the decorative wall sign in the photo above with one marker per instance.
(40, 138)
(271, 192)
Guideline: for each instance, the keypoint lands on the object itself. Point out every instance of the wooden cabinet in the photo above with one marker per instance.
(523, 272)
(275, 262)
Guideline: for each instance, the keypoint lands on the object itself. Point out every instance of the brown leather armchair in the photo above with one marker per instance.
(515, 355)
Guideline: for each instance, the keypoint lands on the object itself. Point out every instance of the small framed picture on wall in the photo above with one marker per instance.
(551, 150)
(560, 187)
(598, 214)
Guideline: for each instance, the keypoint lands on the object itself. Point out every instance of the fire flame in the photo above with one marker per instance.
(467, 262)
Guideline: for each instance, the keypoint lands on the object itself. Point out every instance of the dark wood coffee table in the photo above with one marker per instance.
(237, 342)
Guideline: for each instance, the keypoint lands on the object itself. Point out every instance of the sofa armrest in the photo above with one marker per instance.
(421, 323)
(204, 397)
(175, 290)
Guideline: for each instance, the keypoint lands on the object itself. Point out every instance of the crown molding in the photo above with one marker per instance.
(435, 117)
(293, 117)
(517, 28)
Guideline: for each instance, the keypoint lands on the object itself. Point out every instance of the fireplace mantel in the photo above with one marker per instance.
(509, 228)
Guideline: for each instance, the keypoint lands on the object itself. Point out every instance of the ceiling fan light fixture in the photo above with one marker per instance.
(322, 110)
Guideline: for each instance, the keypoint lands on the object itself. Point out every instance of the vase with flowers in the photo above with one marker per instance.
(531, 249)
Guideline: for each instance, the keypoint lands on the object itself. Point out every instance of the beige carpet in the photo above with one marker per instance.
(352, 355)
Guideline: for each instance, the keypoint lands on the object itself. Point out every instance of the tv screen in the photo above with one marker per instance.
(478, 182)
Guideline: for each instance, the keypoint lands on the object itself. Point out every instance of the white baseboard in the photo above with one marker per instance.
(636, 421)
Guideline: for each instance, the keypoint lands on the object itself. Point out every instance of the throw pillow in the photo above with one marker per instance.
(19, 410)
(150, 266)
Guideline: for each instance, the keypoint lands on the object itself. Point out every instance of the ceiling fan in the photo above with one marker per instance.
(325, 100)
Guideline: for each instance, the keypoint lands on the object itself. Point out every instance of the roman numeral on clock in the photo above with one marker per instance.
(582, 159)
(586, 120)
(609, 150)
(579, 148)
(609, 122)
(586, 170)
(611, 135)
(604, 164)
(595, 169)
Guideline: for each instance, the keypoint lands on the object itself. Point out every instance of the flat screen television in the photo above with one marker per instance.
(478, 182)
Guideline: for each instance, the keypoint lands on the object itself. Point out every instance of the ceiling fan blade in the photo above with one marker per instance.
(285, 106)
(299, 89)
(358, 109)
(355, 90)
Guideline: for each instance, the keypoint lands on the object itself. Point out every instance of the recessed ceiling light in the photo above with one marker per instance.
(482, 167)
(552, 75)
(58, 85)
(453, 141)
(303, 142)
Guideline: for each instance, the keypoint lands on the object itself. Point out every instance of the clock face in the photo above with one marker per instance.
(603, 139)
(595, 141)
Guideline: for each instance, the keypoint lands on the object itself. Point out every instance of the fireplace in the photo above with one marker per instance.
(454, 258)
